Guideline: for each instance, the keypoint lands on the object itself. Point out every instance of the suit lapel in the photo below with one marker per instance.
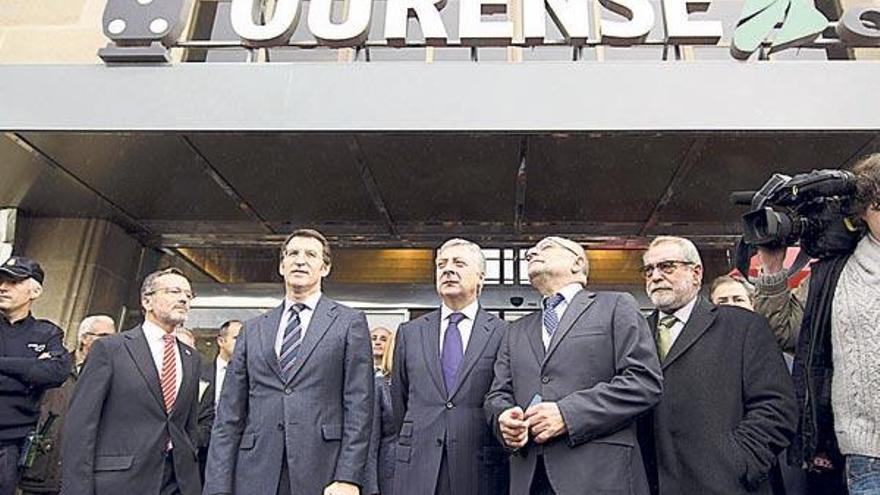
(268, 331)
(188, 381)
(429, 333)
(533, 333)
(480, 333)
(136, 344)
(701, 319)
(581, 301)
(322, 317)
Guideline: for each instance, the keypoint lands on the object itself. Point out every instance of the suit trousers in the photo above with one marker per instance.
(9, 468)
(540, 482)
(169, 479)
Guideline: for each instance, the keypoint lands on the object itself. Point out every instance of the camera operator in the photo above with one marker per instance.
(834, 325)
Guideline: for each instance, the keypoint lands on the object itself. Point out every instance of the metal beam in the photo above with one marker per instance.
(370, 185)
(870, 145)
(687, 163)
(134, 226)
(521, 172)
(226, 186)
(175, 253)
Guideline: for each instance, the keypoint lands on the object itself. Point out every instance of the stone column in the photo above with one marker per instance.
(91, 267)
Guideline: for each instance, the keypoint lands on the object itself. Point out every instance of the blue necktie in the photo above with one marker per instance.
(551, 321)
(291, 341)
(453, 351)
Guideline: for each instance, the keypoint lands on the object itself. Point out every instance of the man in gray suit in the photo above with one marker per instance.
(295, 412)
(570, 381)
(442, 370)
(131, 424)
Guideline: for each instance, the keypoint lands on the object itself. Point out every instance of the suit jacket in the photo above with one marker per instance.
(116, 430)
(207, 386)
(601, 370)
(728, 407)
(383, 439)
(319, 421)
(430, 420)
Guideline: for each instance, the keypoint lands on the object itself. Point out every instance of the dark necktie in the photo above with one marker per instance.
(453, 351)
(551, 320)
(291, 341)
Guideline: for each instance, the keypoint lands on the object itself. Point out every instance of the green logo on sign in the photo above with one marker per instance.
(801, 23)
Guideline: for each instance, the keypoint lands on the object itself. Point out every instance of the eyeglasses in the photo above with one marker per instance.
(174, 291)
(532, 252)
(666, 267)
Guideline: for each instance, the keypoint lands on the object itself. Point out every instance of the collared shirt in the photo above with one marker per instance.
(305, 317)
(156, 342)
(219, 376)
(683, 314)
(464, 326)
(568, 292)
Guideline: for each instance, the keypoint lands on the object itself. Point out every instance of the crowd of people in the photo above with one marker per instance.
(756, 388)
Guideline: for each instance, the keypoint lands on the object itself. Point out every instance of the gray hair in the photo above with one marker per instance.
(86, 325)
(574, 248)
(472, 247)
(149, 280)
(688, 249)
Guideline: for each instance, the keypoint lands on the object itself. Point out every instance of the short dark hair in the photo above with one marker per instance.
(224, 328)
(149, 280)
(867, 172)
(313, 234)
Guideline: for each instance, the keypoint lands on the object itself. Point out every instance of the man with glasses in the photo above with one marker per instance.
(728, 405)
(131, 425)
(571, 380)
(295, 413)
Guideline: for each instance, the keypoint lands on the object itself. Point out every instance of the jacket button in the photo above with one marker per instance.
(545, 379)
(288, 390)
(280, 426)
(439, 442)
(449, 405)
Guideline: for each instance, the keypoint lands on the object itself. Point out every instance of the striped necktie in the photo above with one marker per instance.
(168, 377)
(291, 342)
(551, 320)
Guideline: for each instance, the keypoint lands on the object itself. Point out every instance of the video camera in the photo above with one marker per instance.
(814, 209)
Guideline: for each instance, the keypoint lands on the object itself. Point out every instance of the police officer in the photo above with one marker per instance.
(32, 359)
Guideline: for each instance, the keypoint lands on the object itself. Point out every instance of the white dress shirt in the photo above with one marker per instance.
(464, 326)
(568, 292)
(156, 342)
(682, 315)
(305, 317)
(219, 375)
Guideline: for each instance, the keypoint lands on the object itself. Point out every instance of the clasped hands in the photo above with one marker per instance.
(341, 488)
(542, 421)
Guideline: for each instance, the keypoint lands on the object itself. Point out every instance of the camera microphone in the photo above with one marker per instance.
(742, 197)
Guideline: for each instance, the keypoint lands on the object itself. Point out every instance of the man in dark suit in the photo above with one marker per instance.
(728, 405)
(570, 381)
(442, 370)
(131, 425)
(210, 385)
(296, 408)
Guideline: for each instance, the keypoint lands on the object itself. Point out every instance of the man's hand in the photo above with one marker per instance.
(545, 421)
(341, 488)
(514, 428)
(771, 259)
(820, 463)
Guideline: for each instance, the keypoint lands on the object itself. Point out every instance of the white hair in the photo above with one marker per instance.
(575, 249)
(89, 322)
(688, 250)
(472, 247)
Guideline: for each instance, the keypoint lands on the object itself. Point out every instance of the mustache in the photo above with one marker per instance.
(445, 274)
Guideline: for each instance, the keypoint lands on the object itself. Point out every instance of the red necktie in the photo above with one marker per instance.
(168, 377)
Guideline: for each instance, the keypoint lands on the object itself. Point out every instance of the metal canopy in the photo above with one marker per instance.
(238, 189)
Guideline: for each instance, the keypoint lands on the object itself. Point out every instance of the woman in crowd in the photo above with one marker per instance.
(380, 466)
